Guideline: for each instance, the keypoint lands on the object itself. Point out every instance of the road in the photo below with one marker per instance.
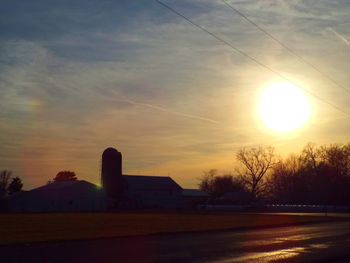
(327, 242)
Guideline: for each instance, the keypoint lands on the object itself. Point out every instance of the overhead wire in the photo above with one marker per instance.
(290, 50)
(250, 57)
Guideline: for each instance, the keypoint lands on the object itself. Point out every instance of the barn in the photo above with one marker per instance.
(136, 191)
(69, 196)
(117, 191)
(153, 191)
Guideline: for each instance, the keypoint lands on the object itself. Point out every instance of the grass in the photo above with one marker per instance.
(25, 228)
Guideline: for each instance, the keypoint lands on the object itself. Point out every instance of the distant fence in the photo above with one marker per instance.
(223, 207)
(278, 208)
(307, 208)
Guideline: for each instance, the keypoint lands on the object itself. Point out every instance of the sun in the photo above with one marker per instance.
(283, 107)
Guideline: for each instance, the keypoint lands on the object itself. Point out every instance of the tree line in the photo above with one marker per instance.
(317, 175)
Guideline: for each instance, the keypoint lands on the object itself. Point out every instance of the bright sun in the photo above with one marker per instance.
(283, 107)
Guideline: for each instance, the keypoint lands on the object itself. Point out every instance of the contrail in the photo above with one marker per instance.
(341, 37)
(155, 107)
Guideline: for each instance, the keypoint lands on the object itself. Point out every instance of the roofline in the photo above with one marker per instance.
(141, 175)
(42, 186)
(154, 176)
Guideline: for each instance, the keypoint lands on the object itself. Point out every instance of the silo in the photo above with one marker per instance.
(111, 173)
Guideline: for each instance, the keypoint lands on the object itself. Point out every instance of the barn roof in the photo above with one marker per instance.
(143, 182)
(79, 188)
(66, 184)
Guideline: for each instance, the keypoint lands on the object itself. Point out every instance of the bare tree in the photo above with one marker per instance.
(206, 181)
(5, 177)
(310, 156)
(337, 156)
(286, 183)
(217, 185)
(255, 164)
(15, 186)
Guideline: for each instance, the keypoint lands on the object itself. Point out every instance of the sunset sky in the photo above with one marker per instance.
(79, 76)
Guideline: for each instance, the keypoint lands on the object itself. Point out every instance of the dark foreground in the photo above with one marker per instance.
(30, 228)
(326, 242)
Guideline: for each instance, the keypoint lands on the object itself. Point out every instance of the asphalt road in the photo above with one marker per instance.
(328, 242)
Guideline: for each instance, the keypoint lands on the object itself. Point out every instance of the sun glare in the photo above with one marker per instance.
(283, 107)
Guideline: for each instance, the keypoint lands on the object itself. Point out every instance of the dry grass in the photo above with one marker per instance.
(20, 228)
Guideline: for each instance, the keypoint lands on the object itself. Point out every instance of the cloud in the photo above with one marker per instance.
(78, 77)
(158, 108)
(340, 36)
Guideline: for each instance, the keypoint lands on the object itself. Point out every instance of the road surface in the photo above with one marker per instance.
(327, 242)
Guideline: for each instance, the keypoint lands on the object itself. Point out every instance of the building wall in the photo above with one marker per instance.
(156, 198)
(58, 201)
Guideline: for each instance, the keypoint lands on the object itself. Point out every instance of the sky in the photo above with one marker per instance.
(79, 76)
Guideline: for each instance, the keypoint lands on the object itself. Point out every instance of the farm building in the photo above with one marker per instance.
(191, 198)
(136, 191)
(59, 197)
(153, 191)
(117, 191)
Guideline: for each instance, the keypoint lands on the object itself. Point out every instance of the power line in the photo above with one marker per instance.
(286, 47)
(248, 56)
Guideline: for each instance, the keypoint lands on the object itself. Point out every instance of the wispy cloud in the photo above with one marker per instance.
(343, 38)
(159, 108)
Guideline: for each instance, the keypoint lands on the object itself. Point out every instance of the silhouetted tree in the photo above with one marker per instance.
(338, 157)
(286, 183)
(65, 176)
(206, 182)
(15, 186)
(9, 185)
(255, 164)
(5, 177)
(310, 157)
(217, 185)
(319, 175)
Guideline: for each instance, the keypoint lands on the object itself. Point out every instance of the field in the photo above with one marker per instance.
(23, 228)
